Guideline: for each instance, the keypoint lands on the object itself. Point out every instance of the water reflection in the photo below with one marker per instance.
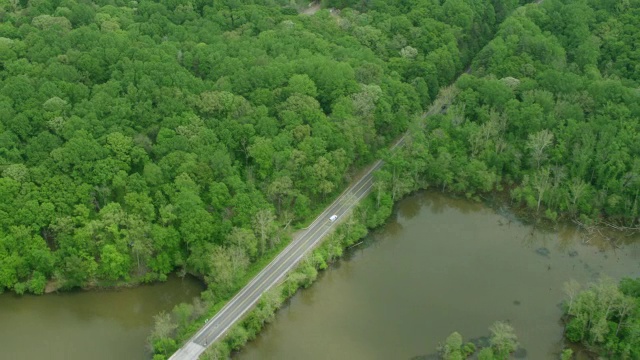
(411, 210)
(441, 265)
(87, 324)
(392, 230)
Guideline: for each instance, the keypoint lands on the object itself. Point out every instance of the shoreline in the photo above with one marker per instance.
(228, 346)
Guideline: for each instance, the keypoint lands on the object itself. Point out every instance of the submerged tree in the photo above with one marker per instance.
(503, 342)
(503, 339)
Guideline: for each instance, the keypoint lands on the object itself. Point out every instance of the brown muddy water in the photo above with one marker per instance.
(440, 265)
(87, 324)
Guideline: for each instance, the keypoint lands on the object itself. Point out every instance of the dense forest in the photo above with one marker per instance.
(148, 137)
(142, 138)
(549, 113)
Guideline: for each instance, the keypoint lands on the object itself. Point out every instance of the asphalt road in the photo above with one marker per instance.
(215, 328)
(273, 273)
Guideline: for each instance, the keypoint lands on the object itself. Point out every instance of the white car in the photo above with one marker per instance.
(333, 218)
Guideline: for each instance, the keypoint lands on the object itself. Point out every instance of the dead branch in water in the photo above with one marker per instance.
(596, 229)
(621, 228)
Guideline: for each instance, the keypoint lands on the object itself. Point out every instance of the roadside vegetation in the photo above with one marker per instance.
(346, 235)
(421, 77)
(138, 140)
(153, 137)
(514, 124)
(549, 114)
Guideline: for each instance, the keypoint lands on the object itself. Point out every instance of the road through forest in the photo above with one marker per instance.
(272, 274)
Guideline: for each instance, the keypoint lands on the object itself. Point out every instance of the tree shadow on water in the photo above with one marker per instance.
(433, 356)
(410, 207)
(480, 343)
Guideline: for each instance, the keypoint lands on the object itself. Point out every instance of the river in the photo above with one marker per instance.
(440, 265)
(84, 325)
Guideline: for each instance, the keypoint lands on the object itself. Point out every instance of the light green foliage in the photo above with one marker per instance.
(486, 354)
(245, 240)
(567, 354)
(264, 311)
(161, 336)
(503, 339)
(48, 22)
(168, 147)
(503, 342)
(217, 351)
(113, 264)
(182, 313)
(547, 110)
(225, 266)
(605, 316)
(300, 84)
(170, 137)
(237, 337)
(452, 348)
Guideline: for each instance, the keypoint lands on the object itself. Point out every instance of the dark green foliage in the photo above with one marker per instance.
(349, 232)
(630, 287)
(137, 141)
(548, 112)
(605, 317)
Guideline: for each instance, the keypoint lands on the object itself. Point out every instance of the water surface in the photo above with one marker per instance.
(87, 324)
(440, 265)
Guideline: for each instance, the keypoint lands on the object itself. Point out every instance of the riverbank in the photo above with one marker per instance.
(366, 218)
(98, 324)
(372, 213)
(369, 215)
(496, 133)
(54, 286)
(348, 233)
(439, 265)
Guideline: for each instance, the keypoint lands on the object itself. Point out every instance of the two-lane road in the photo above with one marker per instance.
(273, 273)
